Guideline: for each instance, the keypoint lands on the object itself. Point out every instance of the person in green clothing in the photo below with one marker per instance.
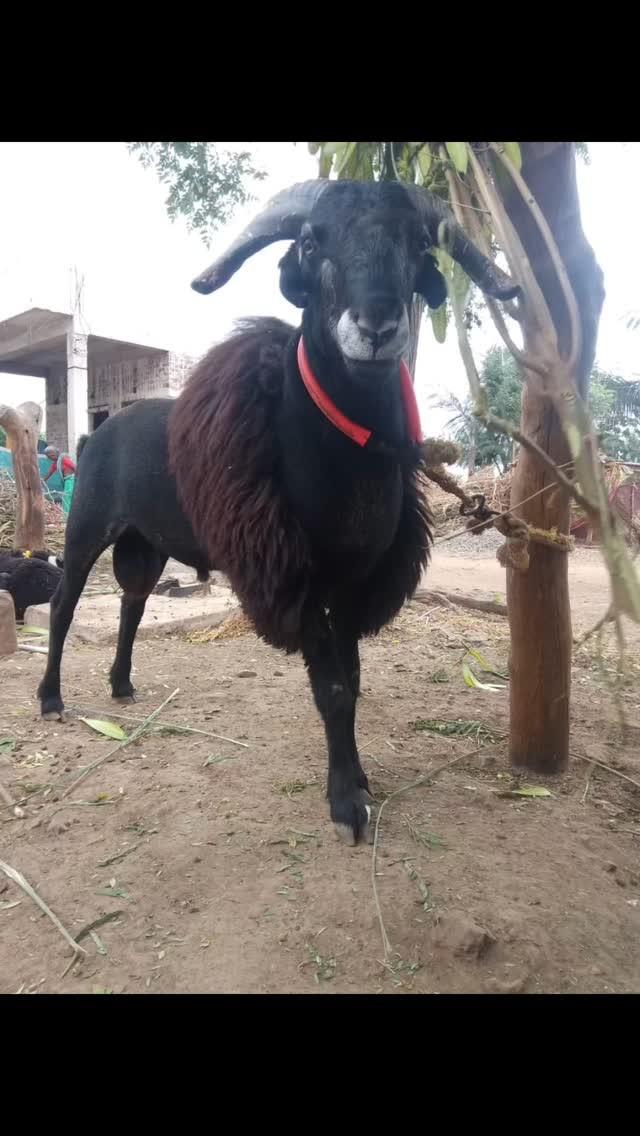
(62, 464)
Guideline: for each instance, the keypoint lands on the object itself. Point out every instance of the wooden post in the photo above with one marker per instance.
(22, 427)
(538, 606)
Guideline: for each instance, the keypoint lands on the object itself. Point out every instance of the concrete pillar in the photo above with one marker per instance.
(77, 389)
(56, 384)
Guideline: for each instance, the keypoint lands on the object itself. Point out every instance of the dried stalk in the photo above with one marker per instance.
(425, 780)
(608, 617)
(609, 768)
(167, 726)
(18, 878)
(9, 801)
(127, 741)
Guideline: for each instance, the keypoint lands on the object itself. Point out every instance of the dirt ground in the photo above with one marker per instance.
(217, 865)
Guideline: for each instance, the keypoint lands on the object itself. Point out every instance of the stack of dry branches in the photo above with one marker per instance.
(53, 517)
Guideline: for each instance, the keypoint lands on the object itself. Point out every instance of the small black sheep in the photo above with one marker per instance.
(28, 580)
(18, 554)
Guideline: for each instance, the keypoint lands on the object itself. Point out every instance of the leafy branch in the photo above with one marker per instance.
(206, 185)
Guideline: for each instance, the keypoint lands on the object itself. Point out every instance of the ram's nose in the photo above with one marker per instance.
(378, 321)
(382, 333)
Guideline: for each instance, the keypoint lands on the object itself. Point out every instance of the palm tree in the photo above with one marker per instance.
(462, 426)
(626, 394)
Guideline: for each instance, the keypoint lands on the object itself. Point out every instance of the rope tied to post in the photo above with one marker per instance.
(514, 553)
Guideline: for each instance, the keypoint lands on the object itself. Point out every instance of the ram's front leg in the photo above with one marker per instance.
(335, 698)
(346, 640)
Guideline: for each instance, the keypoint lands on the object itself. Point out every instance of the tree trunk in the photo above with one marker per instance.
(22, 427)
(549, 169)
(473, 449)
(538, 606)
(538, 600)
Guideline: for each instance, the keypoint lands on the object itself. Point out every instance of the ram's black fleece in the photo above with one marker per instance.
(240, 508)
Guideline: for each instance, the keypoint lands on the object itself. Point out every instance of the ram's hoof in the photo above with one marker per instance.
(125, 693)
(359, 830)
(51, 707)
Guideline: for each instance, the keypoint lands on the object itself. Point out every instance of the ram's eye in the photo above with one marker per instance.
(308, 246)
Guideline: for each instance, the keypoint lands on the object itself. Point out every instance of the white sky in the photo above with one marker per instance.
(91, 207)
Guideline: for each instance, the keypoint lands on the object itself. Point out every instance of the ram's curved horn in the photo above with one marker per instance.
(448, 234)
(283, 217)
(280, 220)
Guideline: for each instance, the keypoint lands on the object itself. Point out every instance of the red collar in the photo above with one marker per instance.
(358, 434)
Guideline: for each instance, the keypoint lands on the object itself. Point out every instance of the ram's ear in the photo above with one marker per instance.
(431, 283)
(291, 283)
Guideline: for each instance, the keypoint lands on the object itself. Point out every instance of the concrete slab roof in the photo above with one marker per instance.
(35, 340)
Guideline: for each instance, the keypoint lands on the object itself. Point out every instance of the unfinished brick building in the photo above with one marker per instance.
(88, 377)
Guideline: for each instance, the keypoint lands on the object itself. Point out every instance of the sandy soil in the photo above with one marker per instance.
(217, 865)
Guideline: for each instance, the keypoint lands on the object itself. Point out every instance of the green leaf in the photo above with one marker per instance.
(460, 284)
(359, 165)
(462, 728)
(324, 164)
(109, 729)
(7, 744)
(425, 158)
(439, 318)
(486, 666)
(471, 680)
(512, 150)
(115, 892)
(217, 759)
(459, 155)
(527, 791)
(100, 947)
(444, 261)
(34, 630)
(343, 156)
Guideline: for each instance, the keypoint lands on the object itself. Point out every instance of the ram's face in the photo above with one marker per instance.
(357, 276)
(363, 279)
